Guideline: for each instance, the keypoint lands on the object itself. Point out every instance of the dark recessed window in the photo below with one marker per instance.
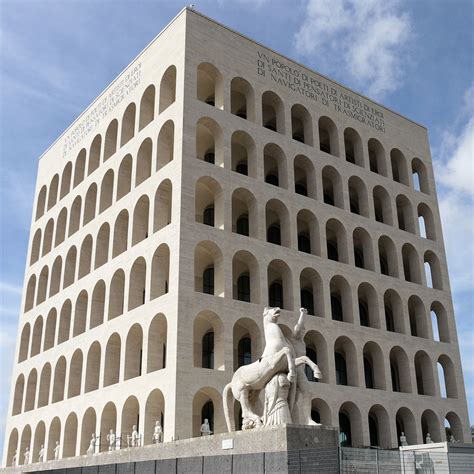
(242, 225)
(300, 188)
(272, 179)
(304, 244)
(208, 216)
(208, 350)
(242, 168)
(336, 308)
(208, 281)
(307, 301)
(389, 322)
(363, 314)
(274, 235)
(210, 157)
(243, 288)
(275, 295)
(333, 254)
(341, 371)
(245, 351)
(358, 258)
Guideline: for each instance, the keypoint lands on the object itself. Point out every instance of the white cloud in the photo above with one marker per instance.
(363, 39)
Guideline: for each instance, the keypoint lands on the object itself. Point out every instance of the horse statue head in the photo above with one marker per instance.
(271, 315)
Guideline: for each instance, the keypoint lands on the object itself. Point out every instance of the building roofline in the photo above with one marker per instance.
(247, 38)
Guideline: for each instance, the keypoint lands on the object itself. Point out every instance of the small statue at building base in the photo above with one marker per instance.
(158, 433)
(280, 356)
(15, 460)
(132, 440)
(56, 451)
(27, 456)
(428, 439)
(111, 439)
(41, 454)
(451, 439)
(91, 448)
(205, 428)
(403, 439)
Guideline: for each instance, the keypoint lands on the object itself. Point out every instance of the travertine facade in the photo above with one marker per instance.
(212, 178)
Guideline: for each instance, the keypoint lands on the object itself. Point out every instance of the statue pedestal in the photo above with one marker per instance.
(278, 449)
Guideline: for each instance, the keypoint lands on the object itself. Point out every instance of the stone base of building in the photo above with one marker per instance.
(278, 449)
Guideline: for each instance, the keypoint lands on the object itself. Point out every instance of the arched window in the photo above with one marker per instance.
(208, 281)
(345, 438)
(242, 225)
(363, 314)
(275, 295)
(336, 308)
(208, 350)
(373, 430)
(208, 216)
(307, 300)
(243, 288)
(369, 373)
(207, 413)
(167, 88)
(341, 370)
(245, 351)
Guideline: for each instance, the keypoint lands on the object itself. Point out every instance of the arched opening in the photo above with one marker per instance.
(439, 318)
(97, 305)
(275, 166)
(133, 352)
(143, 165)
(55, 283)
(280, 285)
(210, 87)
(405, 422)
(80, 313)
(147, 107)
(120, 238)
(137, 285)
(374, 369)
(245, 277)
(75, 216)
(154, 412)
(399, 167)
(328, 136)
(379, 427)
(273, 112)
(70, 436)
(332, 187)
(430, 425)
(112, 360)
(243, 154)
(301, 125)
(53, 191)
(157, 337)
(453, 428)
(110, 145)
(31, 391)
(209, 205)
(167, 88)
(406, 220)
(246, 342)
(377, 160)
(37, 336)
(42, 285)
(382, 206)
(54, 435)
(242, 99)
(75, 374)
(317, 351)
(411, 264)
(89, 421)
(116, 297)
(432, 271)
(363, 250)
(65, 322)
(345, 361)
(59, 380)
(160, 272)
(308, 232)
(341, 300)
(353, 147)
(124, 180)
(336, 241)
(94, 154)
(209, 142)
(12, 447)
(44, 386)
(41, 202)
(30, 293)
(418, 317)
(311, 292)
(447, 377)
(39, 441)
(426, 222)
(25, 442)
(163, 205)
(128, 124)
(207, 404)
(48, 237)
(18, 396)
(358, 197)
(66, 180)
(35, 247)
(61, 227)
(388, 257)
(393, 309)
(420, 176)
(424, 374)
(368, 306)
(50, 330)
(208, 269)
(277, 221)
(108, 424)
(165, 146)
(93, 369)
(244, 213)
(140, 220)
(24, 343)
(85, 257)
(208, 341)
(350, 425)
(80, 168)
(102, 246)
(305, 177)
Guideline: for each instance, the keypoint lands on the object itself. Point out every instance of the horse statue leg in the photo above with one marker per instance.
(305, 360)
(249, 418)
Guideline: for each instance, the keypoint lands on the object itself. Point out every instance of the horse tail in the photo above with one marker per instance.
(226, 402)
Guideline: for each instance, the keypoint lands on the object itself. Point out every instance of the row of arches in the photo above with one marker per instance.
(98, 367)
(88, 161)
(246, 214)
(145, 281)
(324, 135)
(326, 185)
(112, 188)
(96, 251)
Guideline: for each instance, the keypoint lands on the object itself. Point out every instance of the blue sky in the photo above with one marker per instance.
(414, 56)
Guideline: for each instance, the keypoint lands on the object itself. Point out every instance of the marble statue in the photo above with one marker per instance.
(279, 356)
(205, 428)
(41, 454)
(428, 439)
(15, 459)
(91, 448)
(277, 410)
(56, 451)
(403, 439)
(451, 439)
(158, 433)
(133, 438)
(111, 439)
(27, 456)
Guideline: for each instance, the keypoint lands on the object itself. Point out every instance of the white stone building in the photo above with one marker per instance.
(211, 178)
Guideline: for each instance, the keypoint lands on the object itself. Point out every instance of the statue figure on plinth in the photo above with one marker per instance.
(205, 428)
(15, 460)
(56, 451)
(91, 448)
(41, 454)
(27, 456)
(403, 439)
(157, 433)
(279, 356)
(133, 438)
(111, 439)
(451, 439)
(277, 410)
(428, 439)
